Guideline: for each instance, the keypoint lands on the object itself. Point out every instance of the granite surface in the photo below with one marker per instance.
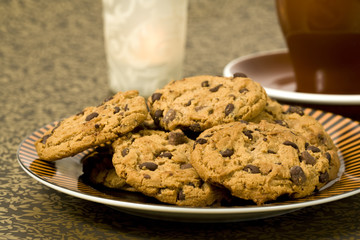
(52, 64)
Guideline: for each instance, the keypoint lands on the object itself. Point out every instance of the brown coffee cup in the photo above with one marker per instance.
(323, 38)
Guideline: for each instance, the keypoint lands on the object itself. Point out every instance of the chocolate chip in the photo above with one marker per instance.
(176, 138)
(186, 166)
(166, 155)
(307, 158)
(243, 90)
(116, 109)
(156, 96)
(195, 127)
(126, 108)
(147, 176)
(328, 156)
(313, 149)
(271, 151)
(169, 116)
(201, 141)
(295, 109)
(321, 138)
(80, 113)
(108, 99)
(269, 112)
(91, 116)
(181, 195)
(239, 74)
(265, 139)
(198, 108)
(324, 177)
(148, 165)
(232, 96)
(188, 103)
(281, 123)
(45, 138)
(248, 133)
(289, 143)
(251, 169)
(229, 108)
(57, 125)
(215, 89)
(157, 115)
(297, 175)
(125, 152)
(227, 152)
(205, 84)
(97, 126)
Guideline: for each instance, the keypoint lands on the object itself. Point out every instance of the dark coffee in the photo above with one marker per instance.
(323, 38)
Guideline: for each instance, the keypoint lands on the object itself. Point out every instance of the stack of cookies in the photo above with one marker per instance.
(197, 142)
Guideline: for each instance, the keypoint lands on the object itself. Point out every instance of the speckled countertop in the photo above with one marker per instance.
(52, 64)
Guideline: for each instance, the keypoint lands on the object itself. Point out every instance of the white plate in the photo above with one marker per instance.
(65, 175)
(273, 70)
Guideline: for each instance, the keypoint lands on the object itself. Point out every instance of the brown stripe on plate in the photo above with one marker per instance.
(29, 153)
(324, 117)
(342, 128)
(330, 125)
(355, 154)
(348, 139)
(314, 113)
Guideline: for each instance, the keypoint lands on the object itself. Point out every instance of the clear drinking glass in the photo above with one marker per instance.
(145, 43)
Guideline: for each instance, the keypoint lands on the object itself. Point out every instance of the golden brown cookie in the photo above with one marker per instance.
(93, 126)
(261, 161)
(200, 102)
(156, 163)
(294, 118)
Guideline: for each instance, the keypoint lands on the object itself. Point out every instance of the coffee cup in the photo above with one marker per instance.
(323, 39)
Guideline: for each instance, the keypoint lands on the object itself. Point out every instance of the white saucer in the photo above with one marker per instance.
(273, 70)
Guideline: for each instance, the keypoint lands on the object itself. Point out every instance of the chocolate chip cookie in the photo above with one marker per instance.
(200, 102)
(261, 161)
(294, 118)
(93, 126)
(315, 135)
(156, 163)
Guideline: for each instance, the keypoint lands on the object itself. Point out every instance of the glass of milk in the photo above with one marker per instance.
(144, 43)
